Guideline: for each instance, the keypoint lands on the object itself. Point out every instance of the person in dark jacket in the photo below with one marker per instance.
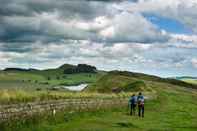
(140, 101)
(132, 104)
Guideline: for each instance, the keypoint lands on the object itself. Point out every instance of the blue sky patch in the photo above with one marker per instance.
(170, 25)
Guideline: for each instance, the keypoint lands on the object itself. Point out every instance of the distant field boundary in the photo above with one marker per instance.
(25, 110)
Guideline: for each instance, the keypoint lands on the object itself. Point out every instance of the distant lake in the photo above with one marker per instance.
(75, 87)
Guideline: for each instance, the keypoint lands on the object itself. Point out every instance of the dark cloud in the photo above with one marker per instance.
(16, 47)
(18, 20)
(49, 21)
(82, 8)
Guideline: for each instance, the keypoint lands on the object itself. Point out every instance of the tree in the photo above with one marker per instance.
(81, 68)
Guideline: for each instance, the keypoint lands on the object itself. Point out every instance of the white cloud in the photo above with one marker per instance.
(194, 62)
(109, 27)
(72, 51)
(132, 27)
(184, 11)
(185, 38)
(109, 35)
(183, 41)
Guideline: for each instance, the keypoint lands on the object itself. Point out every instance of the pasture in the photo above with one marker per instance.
(168, 111)
(173, 103)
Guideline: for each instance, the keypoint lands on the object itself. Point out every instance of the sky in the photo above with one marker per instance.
(157, 37)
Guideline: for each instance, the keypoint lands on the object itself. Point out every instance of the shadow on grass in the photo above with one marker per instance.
(186, 127)
(125, 125)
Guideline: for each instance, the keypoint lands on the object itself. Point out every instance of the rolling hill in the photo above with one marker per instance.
(188, 79)
(170, 104)
(113, 81)
(172, 107)
(47, 78)
(117, 81)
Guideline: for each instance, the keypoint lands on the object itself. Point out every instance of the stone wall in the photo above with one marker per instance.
(23, 110)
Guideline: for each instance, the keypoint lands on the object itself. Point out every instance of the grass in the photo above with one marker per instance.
(110, 81)
(21, 96)
(14, 76)
(35, 80)
(121, 80)
(192, 81)
(75, 79)
(173, 110)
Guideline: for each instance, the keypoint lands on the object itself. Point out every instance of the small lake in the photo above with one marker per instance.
(75, 87)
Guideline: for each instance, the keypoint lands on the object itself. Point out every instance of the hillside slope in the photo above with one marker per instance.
(34, 78)
(173, 109)
(188, 79)
(117, 81)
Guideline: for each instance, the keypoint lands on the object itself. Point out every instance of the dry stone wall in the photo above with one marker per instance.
(23, 110)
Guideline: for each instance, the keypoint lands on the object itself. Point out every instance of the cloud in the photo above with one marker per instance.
(53, 21)
(194, 62)
(185, 38)
(180, 10)
(134, 29)
(77, 52)
(110, 34)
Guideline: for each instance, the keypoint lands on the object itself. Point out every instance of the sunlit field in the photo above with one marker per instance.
(167, 111)
(18, 96)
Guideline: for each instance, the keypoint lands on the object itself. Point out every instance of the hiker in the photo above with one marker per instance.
(140, 101)
(132, 104)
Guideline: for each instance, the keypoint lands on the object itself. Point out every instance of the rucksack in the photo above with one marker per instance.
(140, 100)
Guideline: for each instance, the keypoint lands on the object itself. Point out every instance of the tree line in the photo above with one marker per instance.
(80, 68)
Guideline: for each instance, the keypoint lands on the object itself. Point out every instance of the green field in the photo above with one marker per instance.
(32, 80)
(188, 79)
(16, 87)
(193, 81)
(174, 109)
(23, 86)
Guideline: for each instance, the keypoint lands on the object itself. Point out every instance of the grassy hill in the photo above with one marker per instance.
(174, 106)
(129, 81)
(101, 81)
(173, 109)
(192, 81)
(117, 82)
(33, 78)
(188, 79)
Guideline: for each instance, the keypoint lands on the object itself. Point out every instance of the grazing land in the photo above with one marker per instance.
(193, 81)
(170, 105)
(174, 108)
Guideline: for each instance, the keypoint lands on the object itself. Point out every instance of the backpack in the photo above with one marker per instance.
(140, 100)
